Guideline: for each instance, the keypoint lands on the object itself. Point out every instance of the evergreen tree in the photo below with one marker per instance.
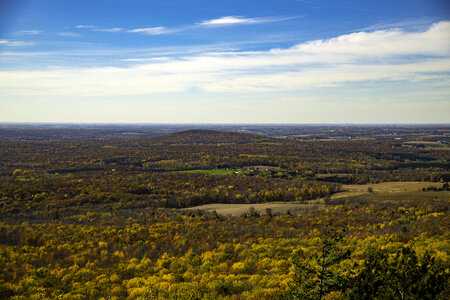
(316, 275)
(402, 277)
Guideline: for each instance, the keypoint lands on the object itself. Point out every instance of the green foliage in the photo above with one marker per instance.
(318, 274)
(403, 276)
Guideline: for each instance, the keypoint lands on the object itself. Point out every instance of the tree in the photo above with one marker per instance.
(371, 282)
(317, 275)
(402, 277)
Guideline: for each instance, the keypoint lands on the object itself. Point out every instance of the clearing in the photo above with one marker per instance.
(385, 187)
(240, 209)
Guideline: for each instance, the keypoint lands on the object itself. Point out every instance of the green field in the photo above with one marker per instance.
(212, 172)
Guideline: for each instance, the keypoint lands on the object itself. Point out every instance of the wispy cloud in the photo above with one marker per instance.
(114, 29)
(95, 28)
(147, 30)
(326, 3)
(85, 26)
(67, 34)
(224, 21)
(385, 55)
(14, 43)
(159, 30)
(151, 59)
(32, 32)
(305, 1)
(151, 30)
(238, 20)
(411, 24)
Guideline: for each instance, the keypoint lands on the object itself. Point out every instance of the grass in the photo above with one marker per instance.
(211, 172)
(386, 188)
(239, 209)
(395, 197)
(400, 186)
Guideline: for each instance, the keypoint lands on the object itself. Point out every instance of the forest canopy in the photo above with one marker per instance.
(92, 219)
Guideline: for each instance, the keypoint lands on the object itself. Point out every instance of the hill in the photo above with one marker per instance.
(203, 136)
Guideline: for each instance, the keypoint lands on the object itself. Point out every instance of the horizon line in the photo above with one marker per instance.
(235, 123)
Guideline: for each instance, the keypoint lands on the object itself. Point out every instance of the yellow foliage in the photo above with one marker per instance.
(114, 278)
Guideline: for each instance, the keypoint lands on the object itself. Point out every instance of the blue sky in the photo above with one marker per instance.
(285, 61)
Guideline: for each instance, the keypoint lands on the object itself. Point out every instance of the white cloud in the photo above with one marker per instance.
(151, 30)
(151, 59)
(238, 20)
(384, 43)
(413, 24)
(308, 2)
(95, 28)
(68, 34)
(158, 30)
(387, 55)
(15, 43)
(114, 29)
(32, 32)
(84, 26)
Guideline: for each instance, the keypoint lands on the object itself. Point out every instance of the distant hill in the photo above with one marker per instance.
(202, 136)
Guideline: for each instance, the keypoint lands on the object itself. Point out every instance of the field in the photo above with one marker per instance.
(203, 214)
(386, 188)
(261, 208)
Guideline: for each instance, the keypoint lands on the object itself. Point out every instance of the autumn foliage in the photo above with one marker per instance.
(105, 219)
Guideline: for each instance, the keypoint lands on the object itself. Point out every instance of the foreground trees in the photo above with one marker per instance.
(318, 274)
(365, 254)
(401, 275)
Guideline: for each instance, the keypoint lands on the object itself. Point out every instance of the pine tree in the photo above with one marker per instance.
(402, 277)
(316, 275)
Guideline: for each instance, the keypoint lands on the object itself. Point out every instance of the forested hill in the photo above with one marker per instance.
(203, 136)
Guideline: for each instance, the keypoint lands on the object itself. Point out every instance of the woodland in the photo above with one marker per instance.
(94, 218)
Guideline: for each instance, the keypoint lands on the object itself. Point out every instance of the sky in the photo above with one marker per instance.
(199, 61)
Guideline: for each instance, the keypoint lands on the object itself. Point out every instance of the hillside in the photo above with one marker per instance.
(203, 136)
